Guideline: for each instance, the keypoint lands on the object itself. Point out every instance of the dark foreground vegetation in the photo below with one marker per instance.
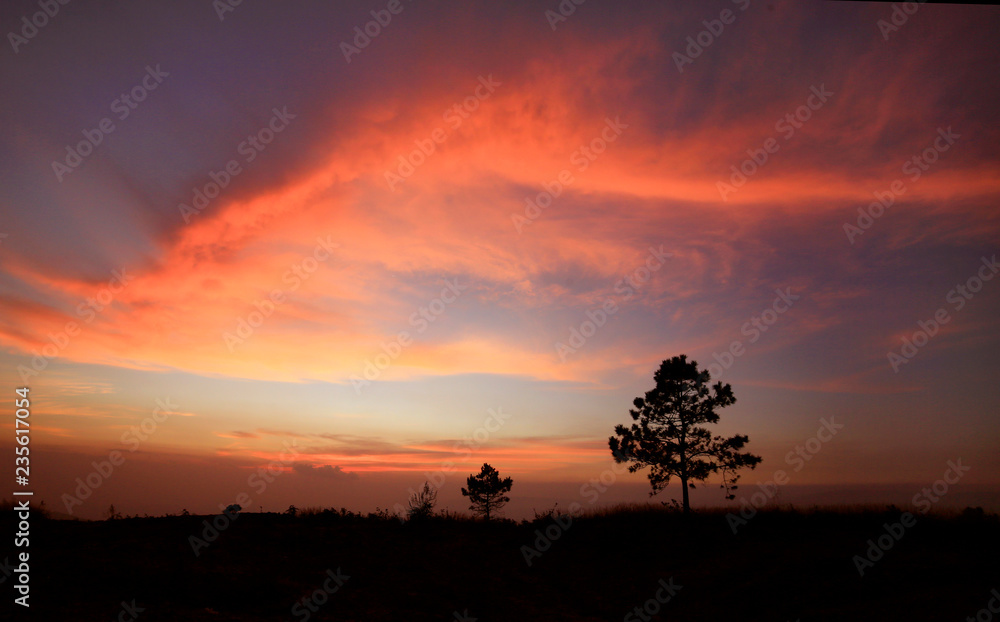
(782, 565)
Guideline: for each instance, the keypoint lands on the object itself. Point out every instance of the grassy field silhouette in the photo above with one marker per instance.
(612, 564)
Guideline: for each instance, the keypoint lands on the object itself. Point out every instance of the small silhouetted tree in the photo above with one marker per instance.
(669, 436)
(233, 508)
(292, 511)
(422, 503)
(487, 492)
(112, 513)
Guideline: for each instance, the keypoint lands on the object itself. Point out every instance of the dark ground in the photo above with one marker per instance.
(781, 566)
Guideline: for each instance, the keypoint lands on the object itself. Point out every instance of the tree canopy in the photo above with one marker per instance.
(487, 493)
(669, 436)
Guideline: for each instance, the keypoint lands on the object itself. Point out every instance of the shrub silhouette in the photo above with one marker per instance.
(422, 503)
(669, 436)
(487, 492)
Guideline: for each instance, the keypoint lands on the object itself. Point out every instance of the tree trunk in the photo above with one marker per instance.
(684, 472)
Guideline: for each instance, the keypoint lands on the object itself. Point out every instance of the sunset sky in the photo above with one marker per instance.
(475, 238)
